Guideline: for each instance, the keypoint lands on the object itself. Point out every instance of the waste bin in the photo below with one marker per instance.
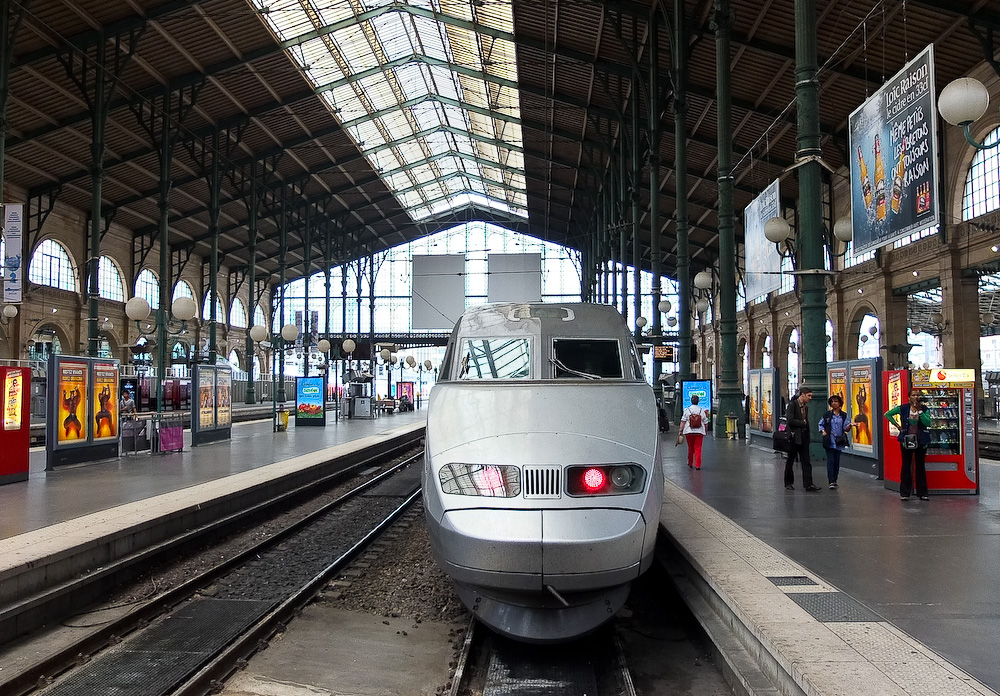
(732, 426)
(281, 423)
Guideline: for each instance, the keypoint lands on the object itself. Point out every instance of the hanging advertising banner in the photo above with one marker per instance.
(13, 395)
(224, 399)
(767, 401)
(763, 260)
(893, 146)
(206, 397)
(13, 268)
(105, 401)
(836, 384)
(72, 380)
(861, 406)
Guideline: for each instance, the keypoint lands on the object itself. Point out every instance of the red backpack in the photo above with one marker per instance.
(694, 420)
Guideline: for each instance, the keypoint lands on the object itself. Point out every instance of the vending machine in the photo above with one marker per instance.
(952, 461)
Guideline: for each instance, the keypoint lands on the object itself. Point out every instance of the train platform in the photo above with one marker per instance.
(845, 591)
(72, 491)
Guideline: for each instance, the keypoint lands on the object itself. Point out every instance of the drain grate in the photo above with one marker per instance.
(833, 606)
(546, 673)
(790, 580)
(164, 654)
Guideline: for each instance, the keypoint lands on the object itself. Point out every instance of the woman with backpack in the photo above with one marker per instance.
(693, 428)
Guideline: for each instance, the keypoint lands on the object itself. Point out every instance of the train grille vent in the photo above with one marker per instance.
(542, 481)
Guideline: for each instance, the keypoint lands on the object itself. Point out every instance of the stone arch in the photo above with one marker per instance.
(852, 331)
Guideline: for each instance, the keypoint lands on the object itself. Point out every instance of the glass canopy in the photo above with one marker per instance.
(426, 88)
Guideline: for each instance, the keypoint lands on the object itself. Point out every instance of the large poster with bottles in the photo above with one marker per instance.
(893, 136)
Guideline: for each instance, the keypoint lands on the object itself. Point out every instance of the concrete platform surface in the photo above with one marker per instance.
(901, 598)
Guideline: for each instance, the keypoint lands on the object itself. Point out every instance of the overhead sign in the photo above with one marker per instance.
(763, 260)
(894, 158)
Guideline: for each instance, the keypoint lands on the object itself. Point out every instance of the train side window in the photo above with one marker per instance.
(586, 358)
(495, 358)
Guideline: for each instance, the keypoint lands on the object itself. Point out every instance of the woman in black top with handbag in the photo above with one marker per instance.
(914, 420)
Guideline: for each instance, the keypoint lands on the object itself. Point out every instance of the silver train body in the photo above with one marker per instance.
(542, 481)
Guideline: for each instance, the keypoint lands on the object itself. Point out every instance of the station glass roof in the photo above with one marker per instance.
(427, 89)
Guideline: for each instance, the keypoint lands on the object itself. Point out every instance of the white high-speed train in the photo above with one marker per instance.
(542, 481)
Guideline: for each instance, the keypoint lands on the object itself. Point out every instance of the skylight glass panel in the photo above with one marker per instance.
(418, 72)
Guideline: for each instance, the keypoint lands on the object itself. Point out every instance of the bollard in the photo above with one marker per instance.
(732, 426)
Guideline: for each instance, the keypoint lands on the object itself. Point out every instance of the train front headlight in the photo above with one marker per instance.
(604, 479)
(488, 480)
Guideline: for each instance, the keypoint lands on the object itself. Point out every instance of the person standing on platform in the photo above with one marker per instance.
(693, 428)
(797, 420)
(833, 427)
(913, 421)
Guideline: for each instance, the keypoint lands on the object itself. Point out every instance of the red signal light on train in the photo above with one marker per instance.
(594, 479)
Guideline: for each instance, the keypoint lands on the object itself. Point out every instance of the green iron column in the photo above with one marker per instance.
(98, 116)
(251, 393)
(636, 212)
(680, 175)
(10, 24)
(620, 220)
(730, 393)
(654, 176)
(812, 278)
(306, 339)
(214, 185)
(283, 245)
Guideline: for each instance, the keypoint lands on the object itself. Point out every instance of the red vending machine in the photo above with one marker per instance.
(953, 454)
(14, 435)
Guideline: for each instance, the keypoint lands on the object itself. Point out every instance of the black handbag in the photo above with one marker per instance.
(840, 440)
(782, 440)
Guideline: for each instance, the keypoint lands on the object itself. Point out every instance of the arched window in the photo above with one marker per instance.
(792, 362)
(148, 288)
(50, 265)
(109, 280)
(182, 289)
(869, 337)
(206, 310)
(982, 183)
(829, 341)
(258, 317)
(237, 314)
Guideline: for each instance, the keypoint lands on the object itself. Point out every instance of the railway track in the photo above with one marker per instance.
(184, 641)
(492, 665)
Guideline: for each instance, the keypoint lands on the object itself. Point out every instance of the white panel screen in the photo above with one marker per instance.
(515, 278)
(438, 291)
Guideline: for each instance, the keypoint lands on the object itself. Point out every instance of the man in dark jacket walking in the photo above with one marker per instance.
(797, 420)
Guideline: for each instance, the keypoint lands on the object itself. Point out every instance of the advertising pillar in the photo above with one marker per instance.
(14, 436)
(82, 410)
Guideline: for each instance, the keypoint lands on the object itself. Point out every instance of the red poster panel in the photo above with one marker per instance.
(71, 397)
(14, 435)
(105, 401)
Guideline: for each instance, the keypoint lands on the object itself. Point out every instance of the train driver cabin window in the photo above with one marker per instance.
(586, 358)
(495, 358)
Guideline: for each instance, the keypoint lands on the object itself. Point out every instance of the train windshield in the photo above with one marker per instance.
(586, 358)
(495, 358)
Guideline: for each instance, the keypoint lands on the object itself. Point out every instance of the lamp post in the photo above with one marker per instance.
(289, 332)
(257, 334)
(323, 346)
(348, 347)
(387, 361)
(183, 310)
